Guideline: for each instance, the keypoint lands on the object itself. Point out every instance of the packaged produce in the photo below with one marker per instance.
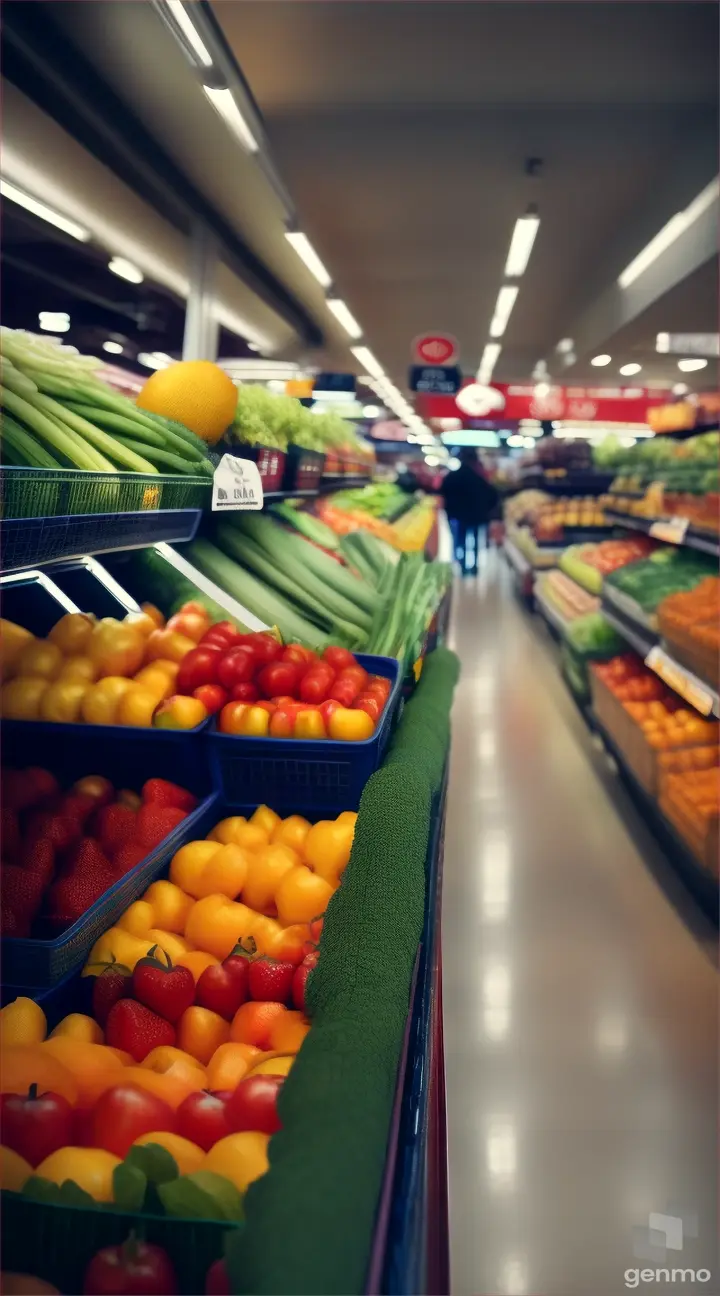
(667, 571)
(63, 849)
(690, 622)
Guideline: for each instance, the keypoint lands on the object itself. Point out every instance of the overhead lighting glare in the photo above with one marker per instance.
(187, 27)
(689, 366)
(223, 101)
(515, 442)
(371, 411)
(115, 348)
(45, 213)
(488, 360)
(599, 361)
(503, 308)
(344, 316)
(628, 369)
(305, 250)
(54, 321)
(676, 226)
(542, 389)
(368, 361)
(126, 270)
(680, 389)
(155, 359)
(564, 346)
(521, 245)
(662, 343)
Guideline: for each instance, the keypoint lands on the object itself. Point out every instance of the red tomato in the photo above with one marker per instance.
(237, 666)
(203, 1117)
(263, 646)
(326, 710)
(310, 724)
(316, 684)
(358, 673)
(212, 696)
(279, 677)
(283, 699)
(339, 658)
(245, 692)
(223, 634)
(123, 1113)
(380, 684)
(135, 1268)
(34, 1125)
(346, 687)
(368, 703)
(282, 723)
(199, 666)
(230, 717)
(253, 1106)
(301, 657)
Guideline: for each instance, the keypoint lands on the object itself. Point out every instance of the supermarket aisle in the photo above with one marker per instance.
(581, 1025)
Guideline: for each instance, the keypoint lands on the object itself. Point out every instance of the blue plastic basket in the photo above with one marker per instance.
(38, 964)
(319, 774)
(28, 542)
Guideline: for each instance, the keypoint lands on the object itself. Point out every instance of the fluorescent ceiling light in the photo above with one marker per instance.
(680, 389)
(528, 442)
(521, 245)
(662, 343)
(676, 226)
(126, 270)
(45, 213)
(629, 369)
(371, 411)
(252, 346)
(54, 321)
(305, 250)
(182, 19)
(366, 358)
(503, 307)
(224, 103)
(689, 366)
(599, 361)
(344, 316)
(488, 360)
(115, 348)
(564, 346)
(516, 442)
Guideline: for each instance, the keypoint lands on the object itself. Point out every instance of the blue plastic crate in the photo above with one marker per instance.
(39, 963)
(29, 542)
(319, 774)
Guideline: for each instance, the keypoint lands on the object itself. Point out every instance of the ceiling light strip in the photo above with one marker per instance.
(179, 17)
(224, 103)
(41, 209)
(503, 309)
(344, 317)
(521, 245)
(669, 233)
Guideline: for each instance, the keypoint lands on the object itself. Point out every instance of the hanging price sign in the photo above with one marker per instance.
(236, 485)
(671, 530)
(680, 680)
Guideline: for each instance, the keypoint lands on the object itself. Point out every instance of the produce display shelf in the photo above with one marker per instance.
(557, 623)
(686, 684)
(416, 1244)
(30, 542)
(693, 538)
(325, 487)
(699, 881)
(573, 483)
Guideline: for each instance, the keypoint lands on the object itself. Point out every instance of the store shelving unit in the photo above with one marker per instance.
(659, 659)
(692, 539)
(32, 542)
(550, 614)
(521, 569)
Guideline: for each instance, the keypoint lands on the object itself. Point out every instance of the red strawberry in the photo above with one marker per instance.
(77, 805)
(22, 789)
(115, 827)
(44, 783)
(22, 891)
(224, 986)
(161, 792)
(133, 1027)
(89, 877)
(9, 834)
(154, 823)
(113, 982)
(270, 979)
(167, 990)
(39, 857)
(128, 857)
(58, 829)
(300, 980)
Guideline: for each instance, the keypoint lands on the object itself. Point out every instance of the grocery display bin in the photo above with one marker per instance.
(59, 492)
(320, 774)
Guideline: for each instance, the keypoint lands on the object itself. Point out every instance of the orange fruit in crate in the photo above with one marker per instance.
(200, 1032)
(90, 1168)
(160, 1059)
(170, 904)
(197, 961)
(327, 848)
(266, 869)
(230, 1063)
(265, 818)
(188, 863)
(254, 1021)
(14, 1170)
(188, 1156)
(216, 924)
(289, 944)
(288, 1032)
(291, 832)
(273, 1064)
(223, 874)
(22, 1022)
(241, 1158)
(196, 393)
(302, 896)
(77, 1026)
(266, 932)
(93, 1066)
(172, 1084)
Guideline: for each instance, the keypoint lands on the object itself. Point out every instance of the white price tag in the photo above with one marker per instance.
(683, 683)
(236, 485)
(672, 530)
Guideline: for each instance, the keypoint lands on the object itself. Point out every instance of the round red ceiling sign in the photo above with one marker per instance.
(435, 349)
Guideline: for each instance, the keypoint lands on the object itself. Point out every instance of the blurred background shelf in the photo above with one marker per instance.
(30, 542)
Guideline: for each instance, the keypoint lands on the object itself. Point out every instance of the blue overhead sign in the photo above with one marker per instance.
(435, 380)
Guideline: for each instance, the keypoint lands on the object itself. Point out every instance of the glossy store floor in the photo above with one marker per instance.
(580, 994)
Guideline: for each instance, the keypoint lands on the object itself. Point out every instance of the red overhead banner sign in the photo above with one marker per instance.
(521, 400)
(435, 349)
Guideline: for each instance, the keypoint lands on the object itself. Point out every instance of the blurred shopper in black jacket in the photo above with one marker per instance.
(469, 501)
